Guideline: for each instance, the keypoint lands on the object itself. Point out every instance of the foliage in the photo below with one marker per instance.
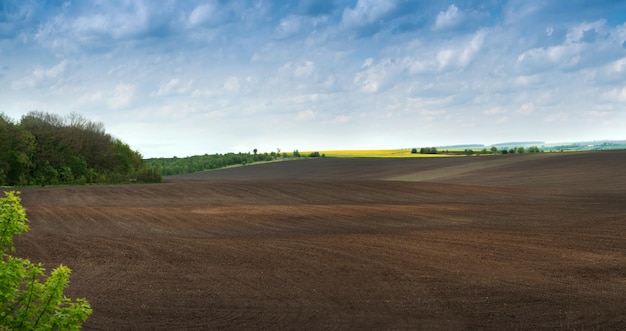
(47, 149)
(428, 150)
(28, 300)
(533, 149)
(176, 166)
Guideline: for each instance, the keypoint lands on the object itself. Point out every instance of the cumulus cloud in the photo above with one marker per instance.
(203, 13)
(448, 19)
(585, 45)
(102, 25)
(454, 18)
(460, 56)
(366, 13)
(376, 76)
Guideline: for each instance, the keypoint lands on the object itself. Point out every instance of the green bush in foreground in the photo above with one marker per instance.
(28, 300)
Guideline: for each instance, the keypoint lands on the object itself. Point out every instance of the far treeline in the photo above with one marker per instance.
(190, 164)
(469, 151)
(48, 149)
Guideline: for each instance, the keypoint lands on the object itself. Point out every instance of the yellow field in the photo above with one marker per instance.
(374, 153)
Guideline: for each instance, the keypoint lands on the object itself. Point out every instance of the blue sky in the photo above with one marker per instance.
(179, 78)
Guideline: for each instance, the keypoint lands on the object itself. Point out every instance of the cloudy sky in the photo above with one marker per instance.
(179, 78)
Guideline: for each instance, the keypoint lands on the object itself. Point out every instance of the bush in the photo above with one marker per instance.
(28, 300)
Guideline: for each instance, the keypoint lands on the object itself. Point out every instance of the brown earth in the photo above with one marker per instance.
(501, 242)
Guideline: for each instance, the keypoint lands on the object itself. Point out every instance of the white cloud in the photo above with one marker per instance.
(448, 19)
(557, 117)
(306, 115)
(619, 66)
(366, 12)
(530, 80)
(460, 56)
(577, 33)
(50, 77)
(541, 59)
(202, 13)
(289, 26)
(616, 95)
(174, 87)
(90, 98)
(527, 108)
(304, 70)
(598, 113)
(503, 119)
(495, 111)
(341, 119)
(122, 95)
(586, 45)
(234, 84)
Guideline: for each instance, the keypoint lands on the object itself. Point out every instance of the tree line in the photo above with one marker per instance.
(184, 165)
(49, 149)
(469, 151)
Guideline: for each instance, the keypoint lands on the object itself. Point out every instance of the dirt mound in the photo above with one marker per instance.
(511, 242)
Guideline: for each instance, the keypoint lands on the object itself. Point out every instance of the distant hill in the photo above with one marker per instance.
(587, 145)
(464, 146)
(520, 144)
(565, 146)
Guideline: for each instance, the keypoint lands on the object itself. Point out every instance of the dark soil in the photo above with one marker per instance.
(500, 242)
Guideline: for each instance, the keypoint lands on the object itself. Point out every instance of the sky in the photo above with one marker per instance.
(181, 78)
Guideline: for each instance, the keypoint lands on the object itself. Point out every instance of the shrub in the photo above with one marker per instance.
(28, 300)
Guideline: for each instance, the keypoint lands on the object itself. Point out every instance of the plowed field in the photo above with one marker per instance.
(502, 242)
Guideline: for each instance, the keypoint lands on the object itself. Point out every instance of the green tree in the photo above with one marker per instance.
(17, 147)
(29, 300)
(533, 149)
